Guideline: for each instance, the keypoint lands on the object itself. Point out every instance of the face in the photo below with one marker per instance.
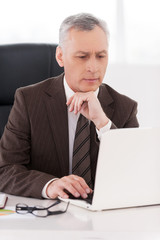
(84, 57)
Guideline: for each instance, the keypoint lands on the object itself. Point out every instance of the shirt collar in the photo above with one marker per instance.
(69, 92)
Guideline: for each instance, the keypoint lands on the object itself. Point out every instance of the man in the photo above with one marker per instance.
(36, 148)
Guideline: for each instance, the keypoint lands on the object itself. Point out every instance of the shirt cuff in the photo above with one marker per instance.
(103, 130)
(44, 194)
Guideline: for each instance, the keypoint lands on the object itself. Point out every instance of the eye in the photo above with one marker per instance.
(101, 56)
(83, 56)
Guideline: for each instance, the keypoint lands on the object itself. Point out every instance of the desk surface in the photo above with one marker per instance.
(80, 224)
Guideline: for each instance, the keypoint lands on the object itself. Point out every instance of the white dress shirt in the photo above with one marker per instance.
(72, 123)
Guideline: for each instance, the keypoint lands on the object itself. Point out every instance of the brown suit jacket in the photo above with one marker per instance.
(34, 147)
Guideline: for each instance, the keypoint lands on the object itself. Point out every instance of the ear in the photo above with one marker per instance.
(59, 56)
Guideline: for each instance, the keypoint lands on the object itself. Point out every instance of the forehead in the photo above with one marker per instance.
(86, 41)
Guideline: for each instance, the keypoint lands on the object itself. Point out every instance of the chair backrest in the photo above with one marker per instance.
(22, 65)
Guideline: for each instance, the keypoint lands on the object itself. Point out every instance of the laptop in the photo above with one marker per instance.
(128, 170)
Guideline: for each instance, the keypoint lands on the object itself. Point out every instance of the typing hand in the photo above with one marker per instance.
(72, 184)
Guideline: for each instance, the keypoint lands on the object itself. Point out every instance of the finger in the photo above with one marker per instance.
(72, 104)
(63, 194)
(59, 192)
(82, 186)
(76, 106)
(80, 103)
(73, 184)
(84, 107)
(69, 184)
(56, 188)
(85, 186)
(70, 100)
(59, 187)
(71, 188)
(80, 189)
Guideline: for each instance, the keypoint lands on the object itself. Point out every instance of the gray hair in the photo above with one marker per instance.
(81, 22)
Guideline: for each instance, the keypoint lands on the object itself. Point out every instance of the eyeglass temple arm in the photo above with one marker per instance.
(59, 211)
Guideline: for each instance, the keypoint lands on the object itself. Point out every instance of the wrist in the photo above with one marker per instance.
(101, 122)
(48, 186)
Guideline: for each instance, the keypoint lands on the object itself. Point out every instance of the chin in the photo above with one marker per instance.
(89, 85)
(89, 89)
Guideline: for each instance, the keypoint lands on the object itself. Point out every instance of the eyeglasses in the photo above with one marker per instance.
(40, 211)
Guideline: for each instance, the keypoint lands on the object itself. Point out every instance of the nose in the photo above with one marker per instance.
(92, 65)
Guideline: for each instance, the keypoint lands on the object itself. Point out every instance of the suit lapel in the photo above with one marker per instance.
(55, 101)
(106, 101)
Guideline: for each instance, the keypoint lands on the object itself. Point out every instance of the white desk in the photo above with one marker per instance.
(80, 224)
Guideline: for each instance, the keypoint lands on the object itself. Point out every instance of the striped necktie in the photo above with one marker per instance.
(81, 151)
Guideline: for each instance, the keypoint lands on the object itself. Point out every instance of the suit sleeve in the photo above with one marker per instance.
(15, 147)
(132, 121)
(127, 118)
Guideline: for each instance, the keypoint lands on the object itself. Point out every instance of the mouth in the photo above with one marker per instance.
(91, 80)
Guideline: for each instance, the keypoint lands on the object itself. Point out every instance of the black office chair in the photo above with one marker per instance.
(22, 65)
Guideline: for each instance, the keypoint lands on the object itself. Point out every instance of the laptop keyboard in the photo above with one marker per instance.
(88, 199)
